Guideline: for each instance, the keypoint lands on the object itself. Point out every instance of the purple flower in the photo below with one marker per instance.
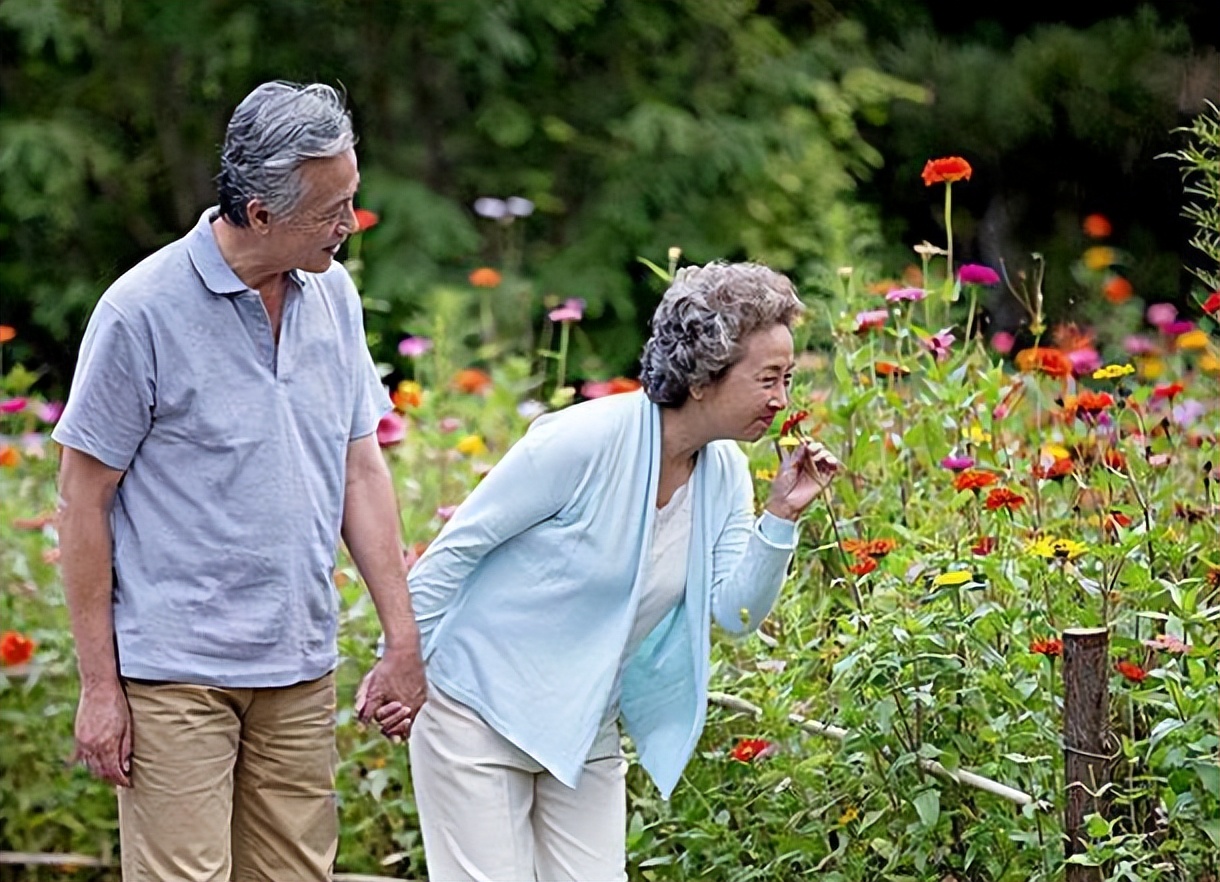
(939, 343)
(977, 274)
(1161, 314)
(573, 310)
(1187, 411)
(957, 463)
(1137, 344)
(414, 347)
(50, 411)
(900, 294)
(1084, 361)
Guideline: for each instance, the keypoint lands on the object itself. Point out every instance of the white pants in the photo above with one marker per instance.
(490, 813)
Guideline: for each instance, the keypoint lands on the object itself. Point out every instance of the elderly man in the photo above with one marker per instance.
(219, 435)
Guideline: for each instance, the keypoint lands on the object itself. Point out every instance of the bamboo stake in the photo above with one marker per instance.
(1086, 684)
(959, 776)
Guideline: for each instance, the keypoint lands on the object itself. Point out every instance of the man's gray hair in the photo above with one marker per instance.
(275, 129)
(699, 328)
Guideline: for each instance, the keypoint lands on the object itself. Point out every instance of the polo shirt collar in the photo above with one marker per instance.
(218, 277)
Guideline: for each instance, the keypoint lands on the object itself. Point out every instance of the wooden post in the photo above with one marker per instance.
(1086, 683)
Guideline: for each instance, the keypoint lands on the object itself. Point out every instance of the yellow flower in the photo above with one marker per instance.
(1055, 452)
(976, 434)
(1113, 371)
(849, 815)
(1099, 257)
(765, 474)
(1195, 339)
(1057, 549)
(1210, 363)
(471, 445)
(789, 441)
(953, 577)
(1151, 368)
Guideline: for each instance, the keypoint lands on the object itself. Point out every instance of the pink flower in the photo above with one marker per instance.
(1177, 328)
(449, 424)
(870, 319)
(12, 405)
(909, 294)
(939, 343)
(1169, 643)
(1002, 342)
(1161, 314)
(573, 310)
(445, 512)
(977, 274)
(958, 463)
(50, 411)
(391, 430)
(414, 347)
(1137, 344)
(1084, 361)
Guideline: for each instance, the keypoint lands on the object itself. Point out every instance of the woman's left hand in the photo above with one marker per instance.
(803, 474)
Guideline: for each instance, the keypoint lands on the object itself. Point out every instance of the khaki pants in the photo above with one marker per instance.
(230, 783)
(489, 812)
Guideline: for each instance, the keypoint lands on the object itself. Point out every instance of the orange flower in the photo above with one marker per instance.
(1131, 671)
(863, 566)
(15, 648)
(1114, 459)
(973, 479)
(472, 381)
(1051, 648)
(1002, 497)
(486, 277)
(409, 394)
(1087, 404)
(1046, 360)
(750, 749)
(946, 170)
(7, 332)
(1114, 520)
(9, 457)
(880, 547)
(1117, 290)
(365, 219)
(1057, 470)
(1097, 226)
(890, 369)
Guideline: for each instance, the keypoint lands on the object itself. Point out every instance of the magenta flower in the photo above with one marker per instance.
(977, 274)
(1137, 344)
(1002, 342)
(573, 310)
(909, 294)
(958, 463)
(414, 347)
(50, 411)
(1170, 643)
(1161, 314)
(1177, 328)
(391, 430)
(1084, 361)
(870, 319)
(939, 343)
(12, 405)
(445, 512)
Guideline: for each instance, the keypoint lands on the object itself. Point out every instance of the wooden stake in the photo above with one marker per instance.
(1086, 701)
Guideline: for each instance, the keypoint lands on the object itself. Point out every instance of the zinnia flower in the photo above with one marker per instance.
(602, 388)
(485, 277)
(1161, 314)
(870, 319)
(1097, 226)
(957, 463)
(899, 295)
(1131, 671)
(939, 344)
(984, 546)
(953, 577)
(414, 347)
(869, 547)
(13, 405)
(391, 429)
(573, 310)
(1211, 306)
(1114, 520)
(977, 274)
(1051, 648)
(408, 394)
(863, 566)
(1192, 341)
(365, 219)
(1099, 257)
(1045, 360)
(974, 479)
(1113, 372)
(890, 369)
(15, 648)
(749, 749)
(1002, 497)
(946, 170)
(1057, 549)
(1116, 289)
(1002, 342)
(1168, 393)
(471, 445)
(472, 381)
(792, 421)
(1168, 643)
(7, 332)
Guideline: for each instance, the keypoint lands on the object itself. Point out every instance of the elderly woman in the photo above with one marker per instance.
(576, 584)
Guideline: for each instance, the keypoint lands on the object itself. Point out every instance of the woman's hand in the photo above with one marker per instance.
(803, 474)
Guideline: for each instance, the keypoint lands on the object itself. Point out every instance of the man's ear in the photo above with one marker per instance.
(696, 392)
(259, 216)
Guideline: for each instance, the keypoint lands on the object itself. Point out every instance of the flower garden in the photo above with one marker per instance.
(1001, 487)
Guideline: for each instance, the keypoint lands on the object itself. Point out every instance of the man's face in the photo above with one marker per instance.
(308, 237)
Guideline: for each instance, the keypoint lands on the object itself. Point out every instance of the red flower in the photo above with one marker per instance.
(1097, 226)
(1046, 360)
(1002, 497)
(1117, 290)
(1211, 306)
(1093, 403)
(1056, 471)
(1170, 392)
(1051, 648)
(1131, 671)
(15, 648)
(486, 277)
(1114, 459)
(1114, 520)
(946, 170)
(984, 546)
(365, 219)
(750, 749)
(863, 565)
(793, 421)
(973, 479)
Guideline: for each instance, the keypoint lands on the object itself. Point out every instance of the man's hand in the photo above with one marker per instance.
(103, 734)
(392, 693)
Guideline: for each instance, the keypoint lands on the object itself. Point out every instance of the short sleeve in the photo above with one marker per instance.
(110, 405)
(372, 402)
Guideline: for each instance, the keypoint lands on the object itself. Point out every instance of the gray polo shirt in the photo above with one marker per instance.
(226, 522)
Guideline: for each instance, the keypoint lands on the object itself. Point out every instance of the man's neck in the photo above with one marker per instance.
(242, 251)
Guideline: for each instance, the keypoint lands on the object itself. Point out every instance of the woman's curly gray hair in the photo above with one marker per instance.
(274, 130)
(701, 324)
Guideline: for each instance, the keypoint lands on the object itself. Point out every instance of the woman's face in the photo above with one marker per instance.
(743, 404)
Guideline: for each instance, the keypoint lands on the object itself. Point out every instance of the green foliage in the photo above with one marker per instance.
(1200, 162)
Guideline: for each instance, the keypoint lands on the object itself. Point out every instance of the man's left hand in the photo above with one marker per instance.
(392, 693)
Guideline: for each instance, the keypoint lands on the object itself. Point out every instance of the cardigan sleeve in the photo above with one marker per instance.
(534, 481)
(749, 559)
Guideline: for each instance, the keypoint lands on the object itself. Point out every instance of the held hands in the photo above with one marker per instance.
(803, 474)
(392, 693)
(103, 734)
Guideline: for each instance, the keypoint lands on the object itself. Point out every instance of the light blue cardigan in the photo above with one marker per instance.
(526, 598)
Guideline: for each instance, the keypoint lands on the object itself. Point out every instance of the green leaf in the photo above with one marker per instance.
(927, 804)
